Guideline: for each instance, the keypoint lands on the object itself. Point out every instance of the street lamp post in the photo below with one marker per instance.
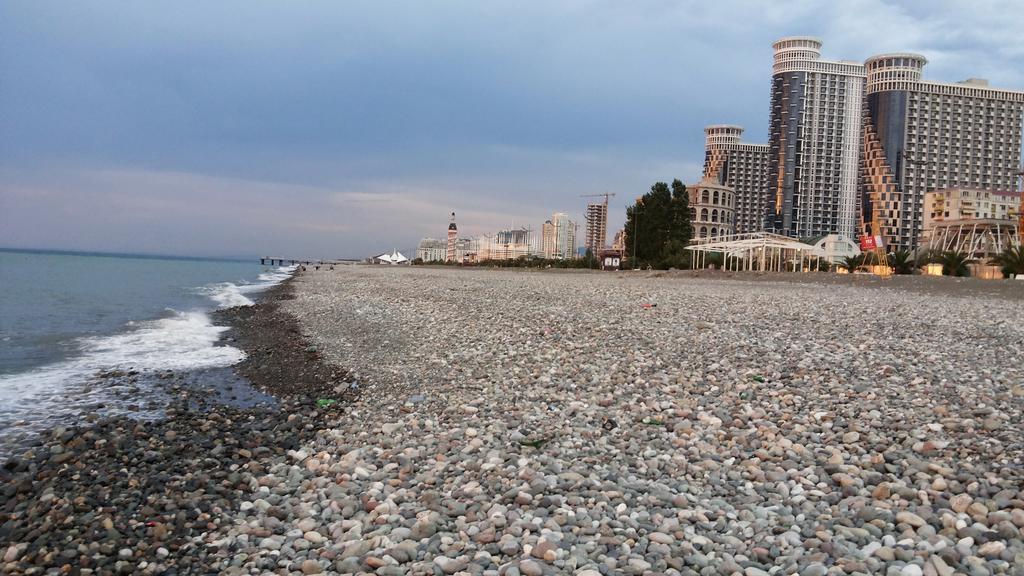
(636, 230)
(1020, 215)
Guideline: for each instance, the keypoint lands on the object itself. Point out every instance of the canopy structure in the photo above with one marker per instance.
(981, 239)
(760, 251)
(395, 257)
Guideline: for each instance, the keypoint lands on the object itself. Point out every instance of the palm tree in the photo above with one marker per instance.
(925, 257)
(852, 262)
(1012, 260)
(954, 263)
(902, 262)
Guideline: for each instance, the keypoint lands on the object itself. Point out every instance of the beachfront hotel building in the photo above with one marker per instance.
(558, 237)
(435, 250)
(432, 250)
(922, 136)
(507, 244)
(597, 226)
(712, 209)
(813, 141)
(741, 166)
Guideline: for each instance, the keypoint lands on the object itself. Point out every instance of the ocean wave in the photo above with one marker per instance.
(183, 341)
(230, 294)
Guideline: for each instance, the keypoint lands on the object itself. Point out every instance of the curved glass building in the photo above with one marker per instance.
(813, 141)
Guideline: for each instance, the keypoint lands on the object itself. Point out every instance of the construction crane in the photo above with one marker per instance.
(606, 196)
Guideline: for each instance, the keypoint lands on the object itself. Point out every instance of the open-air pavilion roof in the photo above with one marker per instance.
(762, 251)
(741, 244)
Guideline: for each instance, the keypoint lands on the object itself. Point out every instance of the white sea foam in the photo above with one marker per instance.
(229, 294)
(183, 341)
(180, 341)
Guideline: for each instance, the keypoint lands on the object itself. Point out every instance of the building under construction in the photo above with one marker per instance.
(597, 226)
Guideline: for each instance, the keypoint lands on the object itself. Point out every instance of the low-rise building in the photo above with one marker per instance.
(619, 243)
(432, 250)
(969, 204)
(507, 245)
(981, 223)
(466, 250)
(712, 209)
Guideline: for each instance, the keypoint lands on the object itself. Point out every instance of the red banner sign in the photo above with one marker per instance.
(867, 243)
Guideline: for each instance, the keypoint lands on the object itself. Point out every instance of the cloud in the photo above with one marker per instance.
(185, 213)
(335, 128)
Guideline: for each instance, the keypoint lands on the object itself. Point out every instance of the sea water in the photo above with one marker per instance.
(68, 318)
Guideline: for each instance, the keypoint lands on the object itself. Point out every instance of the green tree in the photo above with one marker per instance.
(1011, 260)
(658, 227)
(902, 262)
(954, 263)
(680, 231)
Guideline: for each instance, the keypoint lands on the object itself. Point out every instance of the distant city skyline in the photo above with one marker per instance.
(339, 131)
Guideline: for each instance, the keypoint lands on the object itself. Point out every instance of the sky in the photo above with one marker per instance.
(343, 129)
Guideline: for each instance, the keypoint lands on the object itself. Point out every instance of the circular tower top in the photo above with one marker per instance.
(798, 43)
(896, 60)
(793, 49)
(723, 134)
(893, 71)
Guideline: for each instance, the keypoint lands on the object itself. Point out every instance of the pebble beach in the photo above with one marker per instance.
(558, 422)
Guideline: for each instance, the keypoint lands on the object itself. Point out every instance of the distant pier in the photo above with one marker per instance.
(277, 261)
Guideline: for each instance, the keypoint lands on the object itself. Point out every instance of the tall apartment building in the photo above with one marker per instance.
(922, 135)
(558, 237)
(814, 141)
(597, 226)
(741, 166)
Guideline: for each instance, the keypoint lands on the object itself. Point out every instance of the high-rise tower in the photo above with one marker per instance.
(921, 136)
(558, 237)
(741, 166)
(597, 226)
(453, 234)
(814, 141)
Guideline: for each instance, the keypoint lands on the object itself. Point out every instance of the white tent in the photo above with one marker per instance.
(836, 247)
(395, 257)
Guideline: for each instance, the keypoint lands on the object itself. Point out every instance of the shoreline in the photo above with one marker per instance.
(558, 424)
(123, 495)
